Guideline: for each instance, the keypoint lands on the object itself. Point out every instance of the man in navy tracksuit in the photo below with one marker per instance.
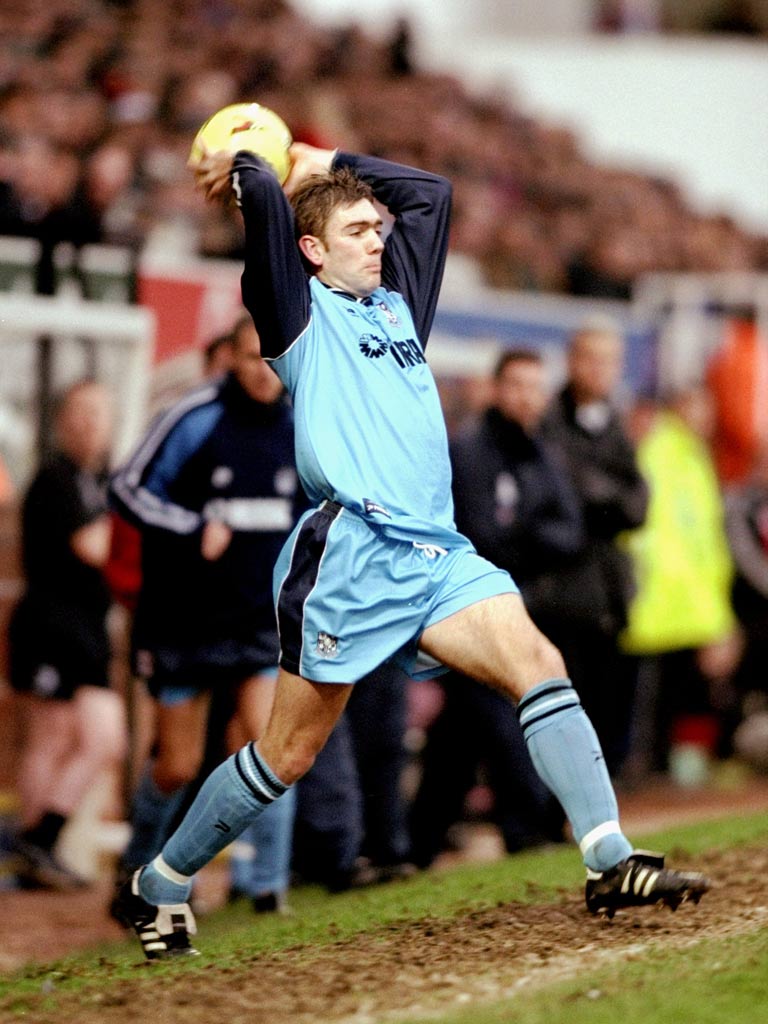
(213, 489)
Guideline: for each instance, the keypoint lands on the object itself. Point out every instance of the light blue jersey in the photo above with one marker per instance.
(370, 432)
(380, 561)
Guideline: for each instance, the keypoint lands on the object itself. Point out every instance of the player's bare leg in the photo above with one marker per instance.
(302, 719)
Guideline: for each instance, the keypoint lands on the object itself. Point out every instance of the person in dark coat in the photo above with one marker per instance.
(518, 507)
(588, 602)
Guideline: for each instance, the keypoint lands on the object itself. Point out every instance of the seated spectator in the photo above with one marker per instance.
(117, 123)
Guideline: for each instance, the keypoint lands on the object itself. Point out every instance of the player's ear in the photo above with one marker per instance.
(312, 249)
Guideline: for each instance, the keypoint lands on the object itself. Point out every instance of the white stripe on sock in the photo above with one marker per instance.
(167, 871)
(608, 828)
(248, 767)
(569, 699)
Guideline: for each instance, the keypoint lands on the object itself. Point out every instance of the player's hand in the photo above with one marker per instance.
(217, 537)
(306, 160)
(213, 174)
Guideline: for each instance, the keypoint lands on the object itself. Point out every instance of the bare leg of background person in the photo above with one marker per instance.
(236, 792)
(181, 730)
(69, 745)
(260, 859)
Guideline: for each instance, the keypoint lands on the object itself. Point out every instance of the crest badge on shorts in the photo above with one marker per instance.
(327, 645)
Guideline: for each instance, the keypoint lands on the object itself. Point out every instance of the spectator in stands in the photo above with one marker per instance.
(91, 86)
(214, 491)
(59, 647)
(518, 507)
(401, 47)
(738, 17)
(680, 622)
(593, 591)
(627, 16)
(48, 206)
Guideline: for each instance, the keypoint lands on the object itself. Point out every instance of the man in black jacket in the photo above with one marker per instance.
(589, 600)
(518, 507)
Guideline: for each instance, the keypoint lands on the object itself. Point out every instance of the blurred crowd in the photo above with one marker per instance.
(106, 97)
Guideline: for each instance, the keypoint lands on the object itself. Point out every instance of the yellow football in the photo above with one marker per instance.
(247, 126)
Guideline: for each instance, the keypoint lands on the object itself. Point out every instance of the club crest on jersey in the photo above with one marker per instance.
(327, 646)
(393, 318)
(372, 346)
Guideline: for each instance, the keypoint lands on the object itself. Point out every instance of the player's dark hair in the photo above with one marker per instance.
(316, 198)
(515, 355)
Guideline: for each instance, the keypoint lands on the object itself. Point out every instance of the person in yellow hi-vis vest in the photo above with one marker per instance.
(681, 625)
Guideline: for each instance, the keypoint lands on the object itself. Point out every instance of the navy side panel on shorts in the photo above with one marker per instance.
(299, 582)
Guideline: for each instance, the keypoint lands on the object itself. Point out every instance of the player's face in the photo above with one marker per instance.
(255, 376)
(351, 250)
(521, 393)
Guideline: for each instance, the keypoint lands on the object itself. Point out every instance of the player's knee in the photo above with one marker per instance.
(294, 761)
(552, 661)
(544, 661)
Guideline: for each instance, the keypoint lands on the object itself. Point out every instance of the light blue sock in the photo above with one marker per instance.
(260, 860)
(152, 814)
(567, 755)
(232, 796)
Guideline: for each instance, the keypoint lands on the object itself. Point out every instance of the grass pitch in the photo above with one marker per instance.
(480, 943)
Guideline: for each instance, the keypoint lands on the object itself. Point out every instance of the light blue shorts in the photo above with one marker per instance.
(349, 597)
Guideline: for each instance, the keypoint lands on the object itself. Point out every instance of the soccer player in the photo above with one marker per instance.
(377, 569)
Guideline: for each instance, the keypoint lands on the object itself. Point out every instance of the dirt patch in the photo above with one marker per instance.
(418, 967)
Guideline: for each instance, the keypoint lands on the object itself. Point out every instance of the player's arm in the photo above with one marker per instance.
(274, 283)
(416, 249)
